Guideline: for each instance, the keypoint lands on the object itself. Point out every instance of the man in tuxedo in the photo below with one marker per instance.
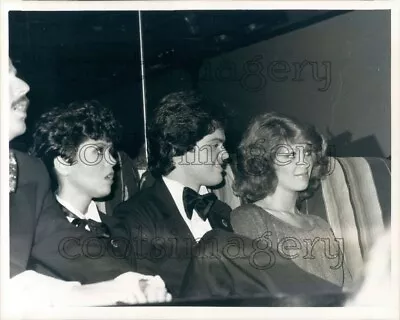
(186, 155)
(39, 232)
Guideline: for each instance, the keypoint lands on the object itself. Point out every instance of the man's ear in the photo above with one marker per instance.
(61, 165)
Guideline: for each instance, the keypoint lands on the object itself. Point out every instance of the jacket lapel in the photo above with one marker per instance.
(219, 216)
(173, 219)
(22, 225)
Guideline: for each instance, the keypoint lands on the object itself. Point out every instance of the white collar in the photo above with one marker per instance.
(197, 226)
(176, 185)
(91, 213)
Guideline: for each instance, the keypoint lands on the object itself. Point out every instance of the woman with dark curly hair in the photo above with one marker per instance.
(280, 163)
(76, 144)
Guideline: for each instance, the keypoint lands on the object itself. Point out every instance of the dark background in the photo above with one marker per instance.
(68, 56)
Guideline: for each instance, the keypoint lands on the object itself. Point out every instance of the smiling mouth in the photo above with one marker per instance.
(302, 175)
(20, 105)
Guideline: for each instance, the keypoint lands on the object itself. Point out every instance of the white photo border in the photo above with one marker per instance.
(204, 312)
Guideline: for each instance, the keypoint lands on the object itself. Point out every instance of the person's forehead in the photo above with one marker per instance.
(92, 142)
(290, 147)
(11, 68)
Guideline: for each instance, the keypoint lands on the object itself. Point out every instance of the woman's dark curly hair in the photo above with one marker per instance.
(256, 177)
(60, 131)
(181, 120)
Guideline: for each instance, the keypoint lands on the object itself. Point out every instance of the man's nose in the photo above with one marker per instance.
(223, 156)
(20, 87)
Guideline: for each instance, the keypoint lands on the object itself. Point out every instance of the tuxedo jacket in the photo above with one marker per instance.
(240, 267)
(41, 235)
(163, 241)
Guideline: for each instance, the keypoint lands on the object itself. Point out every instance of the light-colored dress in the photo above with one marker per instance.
(313, 247)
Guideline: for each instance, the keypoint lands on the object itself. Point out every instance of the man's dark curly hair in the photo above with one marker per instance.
(256, 176)
(60, 131)
(180, 121)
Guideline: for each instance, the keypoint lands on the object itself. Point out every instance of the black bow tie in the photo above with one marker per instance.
(100, 229)
(13, 171)
(202, 204)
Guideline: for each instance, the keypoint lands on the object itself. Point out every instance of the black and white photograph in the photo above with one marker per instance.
(197, 158)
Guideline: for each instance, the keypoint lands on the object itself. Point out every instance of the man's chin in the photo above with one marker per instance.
(102, 195)
(17, 131)
(216, 182)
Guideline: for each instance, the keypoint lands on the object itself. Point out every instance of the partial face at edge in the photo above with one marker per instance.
(18, 103)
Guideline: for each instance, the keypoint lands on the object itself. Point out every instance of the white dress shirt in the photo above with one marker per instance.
(196, 225)
(91, 213)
